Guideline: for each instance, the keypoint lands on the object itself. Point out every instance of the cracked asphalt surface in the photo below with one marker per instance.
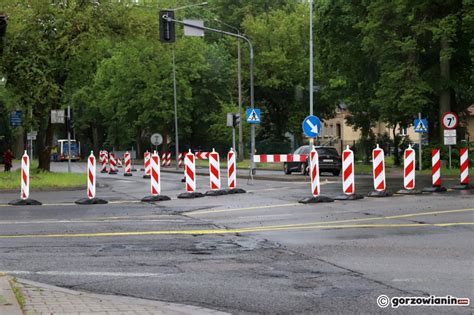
(260, 252)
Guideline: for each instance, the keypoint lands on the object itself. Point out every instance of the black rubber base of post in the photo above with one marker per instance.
(113, 173)
(463, 187)
(128, 174)
(219, 192)
(103, 172)
(146, 176)
(25, 202)
(133, 170)
(142, 169)
(235, 191)
(188, 195)
(349, 197)
(317, 199)
(434, 189)
(378, 194)
(155, 198)
(409, 192)
(183, 180)
(93, 201)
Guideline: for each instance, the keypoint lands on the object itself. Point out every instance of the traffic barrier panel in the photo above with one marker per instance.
(277, 158)
(202, 155)
(215, 175)
(190, 177)
(112, 164)
(128, 164)
(25, 199)
(315, 185)
(155, 180)
(378, 165)
(409, 172)
(180, 160)
(464, 170)
(168, 159)
(147, 164)
(435, 173)
(91, 184)
(103, 161)
(348, 177)
(119, 163)
(163, 159)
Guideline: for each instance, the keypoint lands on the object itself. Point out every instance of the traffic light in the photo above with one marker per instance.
(167, 31)
(236, 119)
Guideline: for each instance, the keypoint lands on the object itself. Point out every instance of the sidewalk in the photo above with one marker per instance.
(42, 299)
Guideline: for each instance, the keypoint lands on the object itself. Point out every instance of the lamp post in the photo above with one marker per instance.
(175, 100)
(239, 79)
(311, 140)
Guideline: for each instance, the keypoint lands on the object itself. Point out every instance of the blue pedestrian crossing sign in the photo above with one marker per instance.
(311, 126)
(253, 115)
(421, 125)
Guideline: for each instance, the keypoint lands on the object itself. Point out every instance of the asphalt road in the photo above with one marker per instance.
(260, 252)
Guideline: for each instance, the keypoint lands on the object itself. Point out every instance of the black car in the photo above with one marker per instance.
(329, 161)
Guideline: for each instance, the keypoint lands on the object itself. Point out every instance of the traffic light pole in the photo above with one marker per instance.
(252, 105)
(175, 101)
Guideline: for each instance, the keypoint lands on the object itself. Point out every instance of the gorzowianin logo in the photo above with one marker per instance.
(384, 301)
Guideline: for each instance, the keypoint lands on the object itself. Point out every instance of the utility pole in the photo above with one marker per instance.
(69, 139)
(175, 101)
(311, 140)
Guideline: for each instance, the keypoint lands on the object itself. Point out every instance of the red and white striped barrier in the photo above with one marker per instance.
(214, 171)
(91, 176)
(277, 158)
(231, 170)
(180, 160)
(128, 164)
(25, 176)
(163, 159)
(119, 162)
(103, 161)
(202, 155)
(112, 164)
(190, 172)
(409, 169)
(155, 174)
(348, 182)
(464, 166)
(168, 159)
(314, 172)
(147, 164)
(378, 163)
(436, 167)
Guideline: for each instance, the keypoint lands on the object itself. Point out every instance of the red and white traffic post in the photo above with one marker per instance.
(315, 185)
(103, 161)
(190, 177)
(25, 185)
(112, 164)
(232, 173)
(409, 172)
(91, 184)
(147, 164)
(348, 178)
(155, 179)
(180, 160)
(168, 159)
(378, 166)
(215, 175)
(163, 159)
(464, 170)
(435, 172)
(128, 164)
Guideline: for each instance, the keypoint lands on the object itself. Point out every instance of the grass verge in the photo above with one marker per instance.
(42, 180)
(16, 290)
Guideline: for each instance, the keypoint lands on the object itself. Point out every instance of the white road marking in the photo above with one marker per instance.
(91, 221)
(84, 273)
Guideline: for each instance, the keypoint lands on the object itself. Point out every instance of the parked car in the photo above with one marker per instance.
(329, 161)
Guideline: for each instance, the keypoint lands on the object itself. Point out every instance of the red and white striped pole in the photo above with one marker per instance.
(103, 161)
(409, 169)
(314, 171)
(163, 159)
(147, 163)
(91, 176)
(378, 165)
(231, 170)
(113, 163)
(128, 164)
(180, 160)
(348, 183)
(435, 172)
(25, 176)
(155, 174)
(214, 171)
(168, 159)
(190, 171)
(464, 166)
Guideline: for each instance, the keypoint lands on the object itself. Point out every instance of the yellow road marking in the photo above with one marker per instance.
(233, 231)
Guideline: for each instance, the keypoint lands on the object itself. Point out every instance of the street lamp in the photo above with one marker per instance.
(175, 101)
(241, 137)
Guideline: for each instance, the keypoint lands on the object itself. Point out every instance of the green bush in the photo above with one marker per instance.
(426, 154)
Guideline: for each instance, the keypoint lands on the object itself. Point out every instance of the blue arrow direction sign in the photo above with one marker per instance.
(15, 118)
(311, 126)
(253, 115)
(421, 125)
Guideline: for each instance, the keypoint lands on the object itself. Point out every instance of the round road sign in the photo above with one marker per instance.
(156, 139)
(450, 120)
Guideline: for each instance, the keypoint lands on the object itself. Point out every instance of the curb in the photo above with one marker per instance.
(8, 302)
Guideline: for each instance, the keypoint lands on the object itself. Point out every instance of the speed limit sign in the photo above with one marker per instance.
(450, 120)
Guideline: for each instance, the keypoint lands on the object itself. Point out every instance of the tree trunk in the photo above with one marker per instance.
(95, 139)
(396, 144)
(44, 148)
(445, 96)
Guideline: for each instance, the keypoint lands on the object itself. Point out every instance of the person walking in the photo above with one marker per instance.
(7, 160)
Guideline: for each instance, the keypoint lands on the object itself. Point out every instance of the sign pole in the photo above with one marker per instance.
(233, 138)
(69, 139)
(419, 148)
(449, 149)
(311, 140)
